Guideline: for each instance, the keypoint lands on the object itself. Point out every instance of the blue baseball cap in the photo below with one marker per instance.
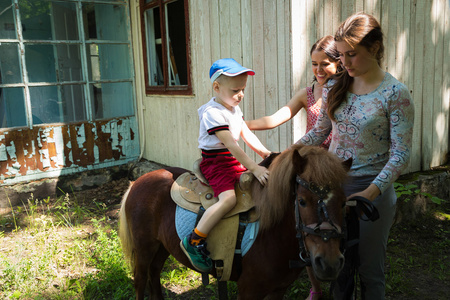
(228, 67)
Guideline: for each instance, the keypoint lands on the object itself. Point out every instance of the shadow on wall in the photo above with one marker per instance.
(417, 35)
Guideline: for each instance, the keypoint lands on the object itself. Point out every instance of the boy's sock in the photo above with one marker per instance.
(197, 237)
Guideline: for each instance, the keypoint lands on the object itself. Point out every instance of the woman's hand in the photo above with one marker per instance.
(370, 193)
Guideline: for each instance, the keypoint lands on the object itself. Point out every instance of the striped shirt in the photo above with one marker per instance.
(215, 117)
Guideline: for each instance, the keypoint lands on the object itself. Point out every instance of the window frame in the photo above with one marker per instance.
(85, 82)
(165, 89)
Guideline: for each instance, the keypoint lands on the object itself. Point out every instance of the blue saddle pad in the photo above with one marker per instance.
(185, 222)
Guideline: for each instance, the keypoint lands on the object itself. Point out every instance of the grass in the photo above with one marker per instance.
(61, 250)
(418, 250)
(65, 248)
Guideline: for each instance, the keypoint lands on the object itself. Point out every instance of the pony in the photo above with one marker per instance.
(305, 184)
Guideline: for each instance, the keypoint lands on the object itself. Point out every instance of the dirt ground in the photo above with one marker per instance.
(417, 267)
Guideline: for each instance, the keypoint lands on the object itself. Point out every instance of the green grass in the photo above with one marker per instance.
(61, 251)
(65, 249)
(112, 281)
(417, 260)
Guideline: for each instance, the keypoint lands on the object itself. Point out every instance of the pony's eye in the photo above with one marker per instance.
(302, 202)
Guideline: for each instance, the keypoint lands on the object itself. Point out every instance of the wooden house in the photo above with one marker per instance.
(86, 85)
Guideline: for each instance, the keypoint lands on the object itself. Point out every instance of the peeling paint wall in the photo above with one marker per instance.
(61, 149)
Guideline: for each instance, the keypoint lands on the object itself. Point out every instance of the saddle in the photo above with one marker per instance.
(191, 191)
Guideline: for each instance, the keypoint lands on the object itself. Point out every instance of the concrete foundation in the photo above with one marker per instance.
(18, 194)
(435, 183)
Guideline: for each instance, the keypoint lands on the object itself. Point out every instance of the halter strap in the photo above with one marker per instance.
(321, 191)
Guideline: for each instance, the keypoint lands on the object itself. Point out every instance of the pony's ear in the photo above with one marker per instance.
(269, 159)
(298, 161)
(347, 164)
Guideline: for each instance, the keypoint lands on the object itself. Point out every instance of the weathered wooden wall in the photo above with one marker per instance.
(417, 52)
(255, 33)
(274, 38)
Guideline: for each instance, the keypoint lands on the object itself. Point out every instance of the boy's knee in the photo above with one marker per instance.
(228, 199)
(230, 202)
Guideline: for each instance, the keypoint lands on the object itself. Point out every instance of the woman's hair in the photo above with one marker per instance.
(359, 29)
(327, 44)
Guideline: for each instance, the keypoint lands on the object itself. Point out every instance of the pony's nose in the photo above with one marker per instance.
(326, 270)
(327, 265)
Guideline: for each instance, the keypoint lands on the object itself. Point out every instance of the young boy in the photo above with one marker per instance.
(223, 161)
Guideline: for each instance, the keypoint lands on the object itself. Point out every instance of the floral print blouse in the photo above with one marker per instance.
(374, 129)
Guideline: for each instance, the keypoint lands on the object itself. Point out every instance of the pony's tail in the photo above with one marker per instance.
(124, 232)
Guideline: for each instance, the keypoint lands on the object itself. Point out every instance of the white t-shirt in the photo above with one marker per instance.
(215, 117)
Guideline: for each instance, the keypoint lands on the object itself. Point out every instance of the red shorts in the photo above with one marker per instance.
(222, 172)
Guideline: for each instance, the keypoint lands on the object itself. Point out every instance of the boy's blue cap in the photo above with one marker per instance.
(228, 67)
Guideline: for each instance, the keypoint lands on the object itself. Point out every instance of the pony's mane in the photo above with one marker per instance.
(311, 163)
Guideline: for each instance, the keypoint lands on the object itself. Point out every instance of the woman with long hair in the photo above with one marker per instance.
(371, 116)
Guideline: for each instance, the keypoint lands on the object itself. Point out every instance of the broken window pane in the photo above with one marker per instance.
(105, 22)
(154, 47)
(176, 43)
(108, 62)
(12, 107)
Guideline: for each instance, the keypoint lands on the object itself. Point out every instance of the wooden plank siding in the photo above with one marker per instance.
(445, 96)
(274, 38)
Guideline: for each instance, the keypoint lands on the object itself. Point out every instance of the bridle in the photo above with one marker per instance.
(363, 208)
(303, 230)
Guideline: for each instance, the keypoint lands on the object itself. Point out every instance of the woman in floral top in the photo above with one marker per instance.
(371, 116)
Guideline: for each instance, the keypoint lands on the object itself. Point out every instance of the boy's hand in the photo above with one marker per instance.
(266, 154)
(262, 174)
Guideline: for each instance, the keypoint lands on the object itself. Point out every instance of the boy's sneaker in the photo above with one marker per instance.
(197, 255)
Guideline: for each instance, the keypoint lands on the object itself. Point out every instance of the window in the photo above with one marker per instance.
(165, 28)
(64, 61)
